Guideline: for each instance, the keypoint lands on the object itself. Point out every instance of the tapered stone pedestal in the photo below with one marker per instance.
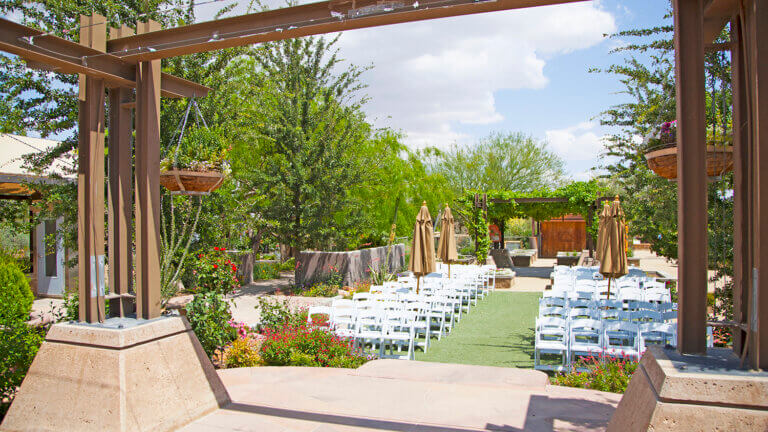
(672, 392)
(122, 375)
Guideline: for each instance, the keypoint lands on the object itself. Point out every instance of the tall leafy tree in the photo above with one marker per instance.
(511, 161)
(647, 74)
(304, 122)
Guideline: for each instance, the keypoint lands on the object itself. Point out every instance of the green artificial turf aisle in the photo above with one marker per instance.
(497, 332)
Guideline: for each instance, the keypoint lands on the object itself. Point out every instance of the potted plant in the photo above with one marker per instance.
(196, 166)
(662, 152)
(567, 258)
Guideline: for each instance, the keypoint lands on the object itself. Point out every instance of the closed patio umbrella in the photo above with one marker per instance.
(602, 235)
(446, 248)
(422, 260)
(611, 242)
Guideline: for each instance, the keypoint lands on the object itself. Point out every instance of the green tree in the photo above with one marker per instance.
(397, 180)
(511, 161)
(303, 123)
(647, 74)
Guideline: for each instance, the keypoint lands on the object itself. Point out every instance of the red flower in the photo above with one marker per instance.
(215, 266)
(215, 248)
(199, 255)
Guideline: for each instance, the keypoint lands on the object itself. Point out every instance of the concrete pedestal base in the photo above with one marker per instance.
(123, 375)
(692, 393)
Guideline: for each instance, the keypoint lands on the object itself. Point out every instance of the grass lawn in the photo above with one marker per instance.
(497, 332)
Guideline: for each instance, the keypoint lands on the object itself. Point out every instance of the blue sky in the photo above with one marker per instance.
(453, 81)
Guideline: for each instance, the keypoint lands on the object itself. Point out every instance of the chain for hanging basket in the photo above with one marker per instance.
(182, 181)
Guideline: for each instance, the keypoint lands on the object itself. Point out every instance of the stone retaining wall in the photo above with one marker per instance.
(352, 265)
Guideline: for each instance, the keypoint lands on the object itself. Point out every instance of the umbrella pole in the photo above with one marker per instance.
(449, 270)
(418, 279)
(609, 288)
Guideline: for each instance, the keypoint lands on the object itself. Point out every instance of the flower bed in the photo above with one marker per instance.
(603, 373)
(285, 338)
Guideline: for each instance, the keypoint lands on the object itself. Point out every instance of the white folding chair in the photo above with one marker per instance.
(620, 339)
(315, 311)
(368, 329)
(343, 313)
(551, 338)
(554, 312)
(585, 339)
(654, 333)
(397, 329)
(628, 294)
(551, 302)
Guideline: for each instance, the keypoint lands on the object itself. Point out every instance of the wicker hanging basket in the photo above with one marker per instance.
(663, 161)
(185, 182)
(182, 181)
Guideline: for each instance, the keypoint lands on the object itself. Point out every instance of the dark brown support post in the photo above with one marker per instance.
(692, 178)
(757, 37)
(148, 184)
(590, 215)
(742, 173)
(120, 200)
(120, 196)
(90, 180)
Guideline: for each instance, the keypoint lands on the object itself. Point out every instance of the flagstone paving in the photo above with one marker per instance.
(398, 395)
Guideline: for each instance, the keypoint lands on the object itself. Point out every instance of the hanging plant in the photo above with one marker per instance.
(197, 164)
(662, 154)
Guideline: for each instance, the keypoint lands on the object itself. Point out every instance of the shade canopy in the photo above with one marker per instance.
(446, 248)
(422, 260)
(611, 241)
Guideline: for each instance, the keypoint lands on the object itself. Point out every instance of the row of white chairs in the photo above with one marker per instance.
(639, 316)
(629, 305)
(602, 292)
(585, 337)
(394, 315)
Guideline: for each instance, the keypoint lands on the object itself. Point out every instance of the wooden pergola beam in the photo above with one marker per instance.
(717, 13)
(297, 21)
(48, 52)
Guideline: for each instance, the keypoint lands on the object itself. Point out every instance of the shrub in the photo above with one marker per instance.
(266, 271)
(358, 287)
(288, 265)
(603, 373)
(209, 315)
(214, 272)
(18, 346)
(242, 352)
(15, 295)
(18, 341)
(276, 314)
(321, 290)
(308, 346)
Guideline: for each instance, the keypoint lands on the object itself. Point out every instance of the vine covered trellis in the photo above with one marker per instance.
(476, 208)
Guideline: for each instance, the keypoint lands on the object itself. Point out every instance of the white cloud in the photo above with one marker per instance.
(430, 76)
(580, 146)
(576, 143)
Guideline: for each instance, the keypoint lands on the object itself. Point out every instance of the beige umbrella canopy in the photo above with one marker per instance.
(611, 241)
(602, 235)
(446, 248)
(423, 247)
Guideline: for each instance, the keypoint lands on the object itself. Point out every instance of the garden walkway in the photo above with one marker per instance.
(398, 395)
(497, 332)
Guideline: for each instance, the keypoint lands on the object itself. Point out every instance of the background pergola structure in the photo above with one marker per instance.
(481, 202)
(127, 60)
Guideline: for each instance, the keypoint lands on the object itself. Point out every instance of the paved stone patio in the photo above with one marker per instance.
(398, 395)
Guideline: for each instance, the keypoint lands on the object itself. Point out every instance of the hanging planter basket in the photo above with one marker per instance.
(181, 180)
(663, 161)
(186, 182)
